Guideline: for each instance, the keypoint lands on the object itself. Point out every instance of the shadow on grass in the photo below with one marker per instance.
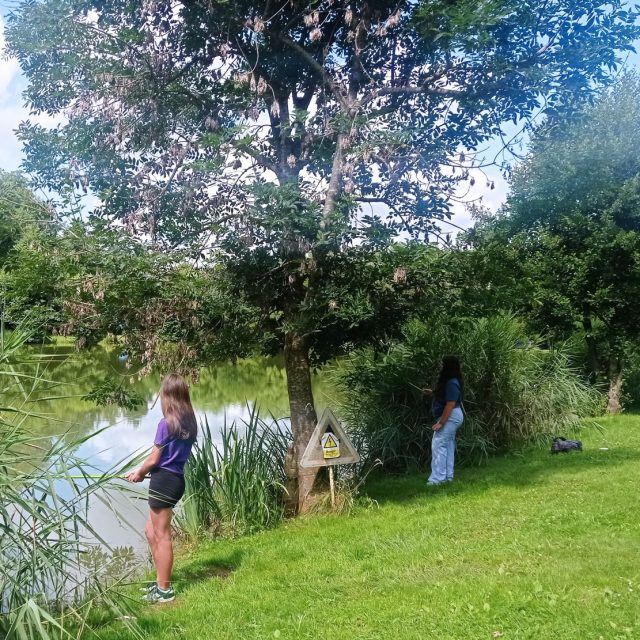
(203, 569)
(518, 469)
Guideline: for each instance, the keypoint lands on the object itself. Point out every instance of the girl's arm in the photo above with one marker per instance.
(448, 408)
(150, 463)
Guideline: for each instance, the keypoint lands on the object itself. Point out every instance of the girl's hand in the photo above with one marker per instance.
(437, 426)
(134, 476)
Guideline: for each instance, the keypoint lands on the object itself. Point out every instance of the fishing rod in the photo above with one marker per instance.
(100, 477)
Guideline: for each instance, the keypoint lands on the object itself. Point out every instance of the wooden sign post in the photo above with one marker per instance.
(329, 446)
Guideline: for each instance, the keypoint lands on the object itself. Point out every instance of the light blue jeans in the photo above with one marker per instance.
(443, 448)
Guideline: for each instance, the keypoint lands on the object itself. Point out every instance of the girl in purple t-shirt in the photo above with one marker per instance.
(176, 434)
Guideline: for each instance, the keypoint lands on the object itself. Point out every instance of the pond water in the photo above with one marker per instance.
(227, 392)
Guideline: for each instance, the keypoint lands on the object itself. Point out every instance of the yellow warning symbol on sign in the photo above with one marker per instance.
(330, 446)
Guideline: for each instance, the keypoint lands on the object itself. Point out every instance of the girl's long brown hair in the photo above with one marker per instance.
(177, 409)
(450, 369)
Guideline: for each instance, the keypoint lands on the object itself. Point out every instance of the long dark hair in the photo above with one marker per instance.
(450, 369)
(177, 409)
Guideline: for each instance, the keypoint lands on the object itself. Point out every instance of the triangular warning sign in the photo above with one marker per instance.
(313, 454)
(330, 442)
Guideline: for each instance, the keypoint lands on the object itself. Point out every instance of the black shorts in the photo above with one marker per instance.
(165, 489)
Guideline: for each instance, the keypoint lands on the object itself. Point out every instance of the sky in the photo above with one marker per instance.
(13, 111)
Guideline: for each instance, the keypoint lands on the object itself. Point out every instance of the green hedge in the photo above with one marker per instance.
(515, 392)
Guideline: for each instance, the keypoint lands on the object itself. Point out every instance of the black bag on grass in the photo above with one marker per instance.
(562, 445)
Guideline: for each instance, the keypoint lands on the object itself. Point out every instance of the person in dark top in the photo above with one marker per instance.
(446, 407)
(176, 433)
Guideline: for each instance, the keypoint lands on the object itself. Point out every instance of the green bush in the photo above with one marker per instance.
(235, 486)
(515, 392)
(631, 385)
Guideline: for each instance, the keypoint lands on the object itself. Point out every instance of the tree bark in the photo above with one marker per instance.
(592, 350)
(303, 421)
(335, 182)
(614, 404)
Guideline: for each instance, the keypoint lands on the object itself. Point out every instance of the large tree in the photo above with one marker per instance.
(281, 134)
(566, 250)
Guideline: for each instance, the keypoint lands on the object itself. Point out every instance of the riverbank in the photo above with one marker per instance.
(529, 546)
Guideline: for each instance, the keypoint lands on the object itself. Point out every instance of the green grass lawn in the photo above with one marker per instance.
(528, 546)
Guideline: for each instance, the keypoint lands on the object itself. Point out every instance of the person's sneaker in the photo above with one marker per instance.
(149, 588)
(160, 596)
(150, 593)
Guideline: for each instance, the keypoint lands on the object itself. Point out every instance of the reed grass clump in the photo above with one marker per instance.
(515, 392)
(235, 483)
(46, 591)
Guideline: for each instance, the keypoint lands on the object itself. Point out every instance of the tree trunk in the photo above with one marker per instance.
(592, 350)
(615, 386)
(303, 421)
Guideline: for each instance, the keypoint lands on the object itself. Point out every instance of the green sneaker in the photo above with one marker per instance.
(152, 586)
(160, 596)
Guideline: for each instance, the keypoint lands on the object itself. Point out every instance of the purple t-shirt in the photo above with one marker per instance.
(175, 451)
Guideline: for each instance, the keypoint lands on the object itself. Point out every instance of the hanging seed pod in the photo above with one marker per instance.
(472, 181)
(462, 156)
(258, 25)
(291, 160)
(400, 275)
(316, 34)
(275, 109)
(262, 86)
(211, 123)
(315, 17)
(252, 85)
(308, 20)
(394, 19)
(493, 185)
(348, 17)
(236, 164)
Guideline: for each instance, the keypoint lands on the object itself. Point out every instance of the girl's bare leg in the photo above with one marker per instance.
(163, 556)
(150, 534)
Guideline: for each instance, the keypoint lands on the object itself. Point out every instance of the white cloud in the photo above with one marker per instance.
(12, 109)
(11, 113)
(9, 67)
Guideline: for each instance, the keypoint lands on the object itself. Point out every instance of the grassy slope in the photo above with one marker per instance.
(530, 546)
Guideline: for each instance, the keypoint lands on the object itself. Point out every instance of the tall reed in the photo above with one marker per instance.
(45, 489)
(235, 483)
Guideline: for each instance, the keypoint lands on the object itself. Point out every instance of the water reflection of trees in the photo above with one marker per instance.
(260, 381)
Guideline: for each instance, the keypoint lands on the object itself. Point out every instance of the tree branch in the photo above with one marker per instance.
(318, 68)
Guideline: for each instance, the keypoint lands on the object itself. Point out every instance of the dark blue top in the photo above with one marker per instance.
(175, 451)
(452, 393)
